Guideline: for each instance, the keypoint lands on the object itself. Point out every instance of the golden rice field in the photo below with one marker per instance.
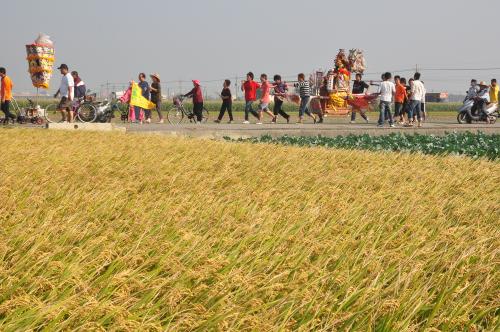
(148, 233)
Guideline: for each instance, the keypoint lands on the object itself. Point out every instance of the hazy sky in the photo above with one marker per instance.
(113, 40)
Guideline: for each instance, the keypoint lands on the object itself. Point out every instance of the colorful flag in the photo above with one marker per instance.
(136, 99)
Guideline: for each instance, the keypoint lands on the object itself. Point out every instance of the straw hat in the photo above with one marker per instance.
(482, 83)
(155, 75)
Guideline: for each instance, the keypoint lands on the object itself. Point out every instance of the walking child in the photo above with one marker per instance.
(399, 99)
(324, 96)
(280, 90)
(265, 99)
(404, 110)
(305, 96)
(227, 102)
(250, 88)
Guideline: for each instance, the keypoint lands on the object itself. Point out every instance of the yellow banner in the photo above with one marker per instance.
(138, 100)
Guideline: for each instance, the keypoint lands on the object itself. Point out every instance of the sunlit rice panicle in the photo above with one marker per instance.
(134, 233)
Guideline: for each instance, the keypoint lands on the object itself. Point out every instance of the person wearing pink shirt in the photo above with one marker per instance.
(265, 99)
(125, 99)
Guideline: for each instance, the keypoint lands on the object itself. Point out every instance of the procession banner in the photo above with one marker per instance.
(138, 100)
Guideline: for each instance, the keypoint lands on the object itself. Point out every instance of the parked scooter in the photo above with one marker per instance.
(464, 110)
(488, 114)
(106, 110)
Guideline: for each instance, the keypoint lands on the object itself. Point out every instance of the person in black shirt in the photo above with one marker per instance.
(227, 103)
(156, 94)
(359, 87)
(280, 90)
(402, 80)
(406, 106)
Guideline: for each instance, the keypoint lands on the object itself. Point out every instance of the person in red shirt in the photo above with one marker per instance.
(197, 95)
(6, 95)
(265, 99)
(250, 88)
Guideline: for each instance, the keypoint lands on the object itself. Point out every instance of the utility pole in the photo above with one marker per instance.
(236, 87)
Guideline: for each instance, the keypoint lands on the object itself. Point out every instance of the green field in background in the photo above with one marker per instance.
(239, 106)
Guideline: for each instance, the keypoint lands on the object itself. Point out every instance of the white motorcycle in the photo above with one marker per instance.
(488, 114)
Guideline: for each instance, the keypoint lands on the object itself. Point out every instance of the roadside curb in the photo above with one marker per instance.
(86, 127)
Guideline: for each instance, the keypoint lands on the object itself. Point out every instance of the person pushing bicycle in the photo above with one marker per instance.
(197, 96)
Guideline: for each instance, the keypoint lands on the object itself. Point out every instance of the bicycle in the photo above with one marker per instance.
(176, 114)
(83, 108)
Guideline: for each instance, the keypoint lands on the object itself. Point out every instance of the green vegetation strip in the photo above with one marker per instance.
(475, 145)
(213, 106)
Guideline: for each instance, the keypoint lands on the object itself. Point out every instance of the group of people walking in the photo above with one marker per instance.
(280, 90)
(408, 98)
(151, 92)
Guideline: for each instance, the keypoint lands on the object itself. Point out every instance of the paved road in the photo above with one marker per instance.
(332, 127)
(437, 125)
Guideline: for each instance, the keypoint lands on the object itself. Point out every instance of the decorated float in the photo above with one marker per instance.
(41, 56)
(332, 88)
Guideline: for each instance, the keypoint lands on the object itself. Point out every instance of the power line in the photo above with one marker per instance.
(460, 69)
(367, 73)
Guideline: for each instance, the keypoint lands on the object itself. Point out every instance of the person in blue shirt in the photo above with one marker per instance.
(143, 84)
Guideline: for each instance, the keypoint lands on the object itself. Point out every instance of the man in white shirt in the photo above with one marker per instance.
(417, 94)
(66, 90)
(386, 90)
(472, 92)
(482, 98)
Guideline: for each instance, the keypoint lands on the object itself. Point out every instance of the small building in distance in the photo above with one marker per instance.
(437, 97)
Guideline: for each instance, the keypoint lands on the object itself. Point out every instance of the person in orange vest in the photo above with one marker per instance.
(6, 95)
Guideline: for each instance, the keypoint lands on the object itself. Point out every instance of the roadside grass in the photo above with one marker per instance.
(142, 232)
